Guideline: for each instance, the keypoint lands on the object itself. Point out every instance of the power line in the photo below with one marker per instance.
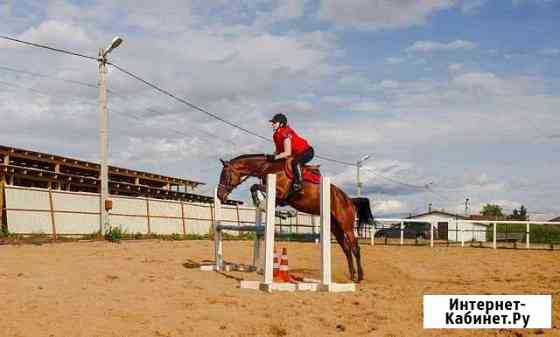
(191, 105)
(165, 92)
(47, 76)
(394, 180)
(47, 47)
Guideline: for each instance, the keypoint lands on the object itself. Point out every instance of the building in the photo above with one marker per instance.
(448, 226)
(20, 167)
(557, 219)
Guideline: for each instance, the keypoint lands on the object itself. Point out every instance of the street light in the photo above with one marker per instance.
(358, 165)
(104, 204)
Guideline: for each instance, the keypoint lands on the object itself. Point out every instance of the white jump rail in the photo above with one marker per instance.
(268, 284)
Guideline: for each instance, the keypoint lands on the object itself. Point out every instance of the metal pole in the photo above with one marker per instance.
(103, 140)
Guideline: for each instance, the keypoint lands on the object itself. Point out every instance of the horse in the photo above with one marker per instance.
(343, 210)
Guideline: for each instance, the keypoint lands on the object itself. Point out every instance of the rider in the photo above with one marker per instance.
(289, 143)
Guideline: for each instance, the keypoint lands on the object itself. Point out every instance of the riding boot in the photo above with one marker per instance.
(297, 184)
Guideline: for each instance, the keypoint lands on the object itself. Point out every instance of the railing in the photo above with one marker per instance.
(494, 234)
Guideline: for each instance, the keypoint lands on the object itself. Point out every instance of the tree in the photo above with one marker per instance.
(520, 214)
(492, 210)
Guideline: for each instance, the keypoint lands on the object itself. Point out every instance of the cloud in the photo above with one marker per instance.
(394, 60)
(55, 33)
(387, 207)
(380, 14)
(429, 46)
(285, 11)
(367, 106)
(455, 67)
(472, 6)
(550, 52)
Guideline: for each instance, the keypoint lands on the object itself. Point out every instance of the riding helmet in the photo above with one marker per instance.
(279, 118)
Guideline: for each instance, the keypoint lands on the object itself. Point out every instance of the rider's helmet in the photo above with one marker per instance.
(279, 118)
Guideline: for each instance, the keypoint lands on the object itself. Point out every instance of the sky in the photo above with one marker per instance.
(452, 99)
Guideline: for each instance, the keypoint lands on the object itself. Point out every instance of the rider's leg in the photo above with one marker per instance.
(296, 167)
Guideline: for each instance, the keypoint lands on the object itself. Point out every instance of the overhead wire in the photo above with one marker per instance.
(191, 105)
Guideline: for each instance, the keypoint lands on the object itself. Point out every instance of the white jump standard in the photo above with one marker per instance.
(268, 284)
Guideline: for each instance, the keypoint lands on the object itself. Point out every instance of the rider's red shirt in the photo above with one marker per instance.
(299, 145)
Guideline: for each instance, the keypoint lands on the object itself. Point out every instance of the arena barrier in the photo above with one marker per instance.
(266, 233)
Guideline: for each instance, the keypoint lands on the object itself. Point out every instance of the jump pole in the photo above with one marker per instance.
(219, 261)
(325, 283)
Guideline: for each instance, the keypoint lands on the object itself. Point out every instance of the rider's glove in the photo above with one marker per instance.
(270, 157)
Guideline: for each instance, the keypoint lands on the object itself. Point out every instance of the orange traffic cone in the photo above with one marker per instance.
(276, 266)
(284, 274)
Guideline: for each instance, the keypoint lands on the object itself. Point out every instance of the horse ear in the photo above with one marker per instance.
(223, 162)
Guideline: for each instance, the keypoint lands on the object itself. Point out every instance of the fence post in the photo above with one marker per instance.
(527, 234)
(494, 234)
(51, 211)
(431, 234)
(462, 235)
(148, 216)
(402, 233)
(3, 224)
(183, 218)
(372, 234)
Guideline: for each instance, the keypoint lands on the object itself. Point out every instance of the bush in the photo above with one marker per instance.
(114, 234)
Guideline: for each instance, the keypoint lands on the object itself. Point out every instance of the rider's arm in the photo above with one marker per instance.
(287, 149)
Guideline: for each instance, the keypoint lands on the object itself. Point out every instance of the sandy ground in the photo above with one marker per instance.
(150, 288)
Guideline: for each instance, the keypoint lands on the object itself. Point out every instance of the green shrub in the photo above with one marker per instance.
(114, 234)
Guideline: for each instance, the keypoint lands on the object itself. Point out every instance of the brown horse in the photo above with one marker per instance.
(343, 212)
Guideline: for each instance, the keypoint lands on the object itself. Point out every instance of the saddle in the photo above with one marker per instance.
(310, 174)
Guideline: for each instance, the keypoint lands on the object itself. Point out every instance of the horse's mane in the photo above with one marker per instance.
(247, 156)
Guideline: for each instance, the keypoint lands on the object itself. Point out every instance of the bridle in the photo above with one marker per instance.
(228, 186)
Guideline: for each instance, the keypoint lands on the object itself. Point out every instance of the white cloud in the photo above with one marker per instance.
(429, 46)
(380, 14)
(472, 6)
(394, 60)
(550, 52)
(55, 33)
(388, 84)
(392, 206)
(286, 10)
(455, 67)
(368, 106)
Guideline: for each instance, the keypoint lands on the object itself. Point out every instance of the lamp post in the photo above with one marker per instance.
(104, 203)
(358, 165)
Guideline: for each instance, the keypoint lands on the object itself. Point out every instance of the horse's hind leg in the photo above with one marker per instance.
(355, 245)
(344, 244)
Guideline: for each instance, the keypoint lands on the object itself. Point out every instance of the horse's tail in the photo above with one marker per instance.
(365, 216)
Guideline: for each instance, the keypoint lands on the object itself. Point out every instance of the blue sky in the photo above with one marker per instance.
(462, 95)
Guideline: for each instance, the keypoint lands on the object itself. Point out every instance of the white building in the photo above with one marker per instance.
(451, 226)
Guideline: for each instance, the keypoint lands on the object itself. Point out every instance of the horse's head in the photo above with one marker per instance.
(230, 178)
(235, 171)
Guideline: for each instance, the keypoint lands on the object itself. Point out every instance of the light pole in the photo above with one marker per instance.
(104, 203)
(467, 201)
(358, 165)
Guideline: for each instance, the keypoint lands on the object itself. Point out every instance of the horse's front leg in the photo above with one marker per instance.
(255, 189)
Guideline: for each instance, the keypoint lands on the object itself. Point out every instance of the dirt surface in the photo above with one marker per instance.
(150, 288)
